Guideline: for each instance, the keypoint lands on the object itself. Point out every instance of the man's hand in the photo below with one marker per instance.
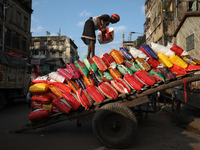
(103, 30)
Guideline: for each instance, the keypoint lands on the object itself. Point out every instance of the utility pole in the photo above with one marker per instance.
(48, 52)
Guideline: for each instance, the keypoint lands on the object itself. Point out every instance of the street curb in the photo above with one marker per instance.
(184, 120)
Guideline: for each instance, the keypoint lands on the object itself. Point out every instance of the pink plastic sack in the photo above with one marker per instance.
(73, 70)
(65, 73)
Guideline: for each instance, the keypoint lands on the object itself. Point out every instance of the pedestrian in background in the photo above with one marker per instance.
(33, 76)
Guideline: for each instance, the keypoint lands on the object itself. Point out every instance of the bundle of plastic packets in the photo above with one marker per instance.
(82, 83)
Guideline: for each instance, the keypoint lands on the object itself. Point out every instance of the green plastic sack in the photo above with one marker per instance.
(124, 70)
(81, 67)
(132, 66)
(105, 75)
(90, 64)
(157, 75)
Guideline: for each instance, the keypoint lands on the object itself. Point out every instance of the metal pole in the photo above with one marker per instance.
(3, 32)
(176, 8)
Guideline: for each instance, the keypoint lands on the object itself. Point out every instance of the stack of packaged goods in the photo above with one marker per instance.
(82, 83)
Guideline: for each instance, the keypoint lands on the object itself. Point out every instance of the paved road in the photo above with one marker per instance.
(156, 132)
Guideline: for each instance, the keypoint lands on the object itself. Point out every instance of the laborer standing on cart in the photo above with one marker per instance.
(96, 23)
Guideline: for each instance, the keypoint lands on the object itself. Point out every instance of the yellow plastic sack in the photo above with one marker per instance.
(39, 88)
(143, 64)
(176, 60)
(165, 60)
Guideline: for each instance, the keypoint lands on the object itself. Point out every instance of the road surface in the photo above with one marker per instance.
(156, 132)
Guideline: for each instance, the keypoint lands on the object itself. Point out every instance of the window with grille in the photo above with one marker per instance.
(190, 42)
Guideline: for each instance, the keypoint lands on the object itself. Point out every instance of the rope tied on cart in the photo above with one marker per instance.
(185, 92)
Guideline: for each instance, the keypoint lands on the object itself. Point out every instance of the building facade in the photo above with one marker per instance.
(54, 47)
(15, 22)
(187, 34)
(163, 17)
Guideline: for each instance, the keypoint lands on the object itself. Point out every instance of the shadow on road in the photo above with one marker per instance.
(155, 132)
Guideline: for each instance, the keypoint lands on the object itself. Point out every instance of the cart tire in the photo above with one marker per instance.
(115, 125)
(2, 101)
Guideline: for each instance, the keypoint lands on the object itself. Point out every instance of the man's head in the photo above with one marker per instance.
(114, 18)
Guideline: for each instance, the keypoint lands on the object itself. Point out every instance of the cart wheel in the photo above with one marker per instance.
(115, 125)
(2, 101)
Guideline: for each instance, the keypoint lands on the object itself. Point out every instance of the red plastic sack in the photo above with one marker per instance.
(38, 114)
(62, 105)
(50, 94)
(42, 98)
(72, 99)
(61, 86)
(153, 62)
(95, 93)
(120, 85)
(108, 90)
(145, 77)
(84, 98)
(36, 105)
(178, 70)
(106, 37)
(192, 68)
(178, 51)
(133, 82)
(100, 63)
(109, 60)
